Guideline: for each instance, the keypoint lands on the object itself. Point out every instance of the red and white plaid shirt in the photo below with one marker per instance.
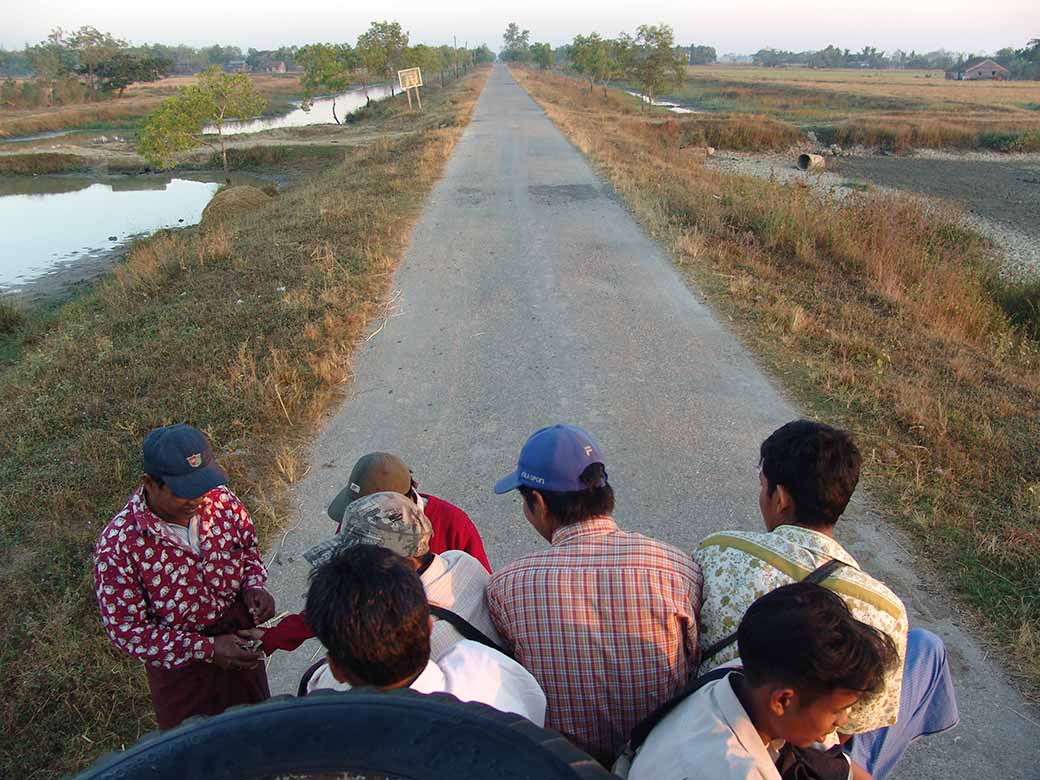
(606, 621)
(156, 595)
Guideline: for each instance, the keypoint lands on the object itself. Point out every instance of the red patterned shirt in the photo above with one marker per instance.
(606, 621)
(157, 593)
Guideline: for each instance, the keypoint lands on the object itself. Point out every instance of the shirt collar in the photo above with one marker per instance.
(432, 679)
(737, 718)
(434, 571)
(597, 526)
(816, 542)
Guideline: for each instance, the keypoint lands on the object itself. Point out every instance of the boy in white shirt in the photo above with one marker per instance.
(806, 662)
(368, 607)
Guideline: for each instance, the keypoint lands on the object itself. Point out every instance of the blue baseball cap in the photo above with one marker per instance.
(180, 456)
(553, 459)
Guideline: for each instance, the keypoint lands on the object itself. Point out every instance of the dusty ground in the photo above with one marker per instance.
(1000, 194)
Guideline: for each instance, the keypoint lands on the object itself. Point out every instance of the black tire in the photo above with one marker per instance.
(402, 734)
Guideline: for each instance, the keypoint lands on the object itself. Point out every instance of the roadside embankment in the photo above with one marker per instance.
(245, 330)
(880, 314)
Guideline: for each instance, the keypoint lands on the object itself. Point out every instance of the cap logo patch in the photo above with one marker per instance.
(194, 460)
(588, 451)
(355, 487)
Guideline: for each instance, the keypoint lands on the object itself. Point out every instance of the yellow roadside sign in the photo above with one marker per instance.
(409, 78)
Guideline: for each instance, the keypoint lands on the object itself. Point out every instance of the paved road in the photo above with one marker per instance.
(530, 296)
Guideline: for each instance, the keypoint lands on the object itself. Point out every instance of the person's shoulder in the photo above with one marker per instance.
(444, 510)
(469, 660)
(525, 564)
(461, 560)
(222, 497)
(722, 540)
(119, 529)
(656, 552)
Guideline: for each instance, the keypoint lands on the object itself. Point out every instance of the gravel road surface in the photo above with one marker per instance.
(530, 296)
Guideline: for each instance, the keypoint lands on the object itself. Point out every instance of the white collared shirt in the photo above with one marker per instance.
(457, 581)
(469, 671)
(709, 736)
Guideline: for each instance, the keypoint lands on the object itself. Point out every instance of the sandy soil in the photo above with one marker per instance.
(999, 194)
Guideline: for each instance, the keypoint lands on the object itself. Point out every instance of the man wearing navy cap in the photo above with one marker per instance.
(604, 619)
(178, 576)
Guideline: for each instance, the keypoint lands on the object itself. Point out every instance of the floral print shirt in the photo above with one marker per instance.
(157, 594)
(740, 566)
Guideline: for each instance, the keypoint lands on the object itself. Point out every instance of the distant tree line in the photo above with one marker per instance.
(648, 59)
(71, 67)
(1023, 63)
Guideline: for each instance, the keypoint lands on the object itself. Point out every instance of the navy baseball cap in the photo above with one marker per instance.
(180, 456)
(553, 459)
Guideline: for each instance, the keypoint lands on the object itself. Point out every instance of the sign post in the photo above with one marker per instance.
(409, 79)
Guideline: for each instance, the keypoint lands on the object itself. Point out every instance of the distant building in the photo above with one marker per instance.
(237, 66)
(274, 66)
(978, 69)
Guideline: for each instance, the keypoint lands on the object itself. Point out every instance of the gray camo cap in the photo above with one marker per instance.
(384, 519)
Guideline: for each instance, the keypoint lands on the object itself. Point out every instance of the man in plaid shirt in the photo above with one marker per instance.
(605, 620)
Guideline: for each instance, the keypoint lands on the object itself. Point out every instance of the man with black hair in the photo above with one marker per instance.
(368, 607)
(604, 619)
(806, 662)
(178, 575)
(808, 473)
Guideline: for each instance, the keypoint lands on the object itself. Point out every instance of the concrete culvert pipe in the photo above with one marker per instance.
(811, 162)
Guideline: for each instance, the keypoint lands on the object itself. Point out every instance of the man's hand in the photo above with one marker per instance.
(228, 653)
(260, 604)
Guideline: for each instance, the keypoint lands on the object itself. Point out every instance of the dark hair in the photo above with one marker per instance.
(368, 607)
(803, 635)
(817, 464)
(576, 506)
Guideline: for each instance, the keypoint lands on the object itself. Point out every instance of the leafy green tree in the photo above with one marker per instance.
(327, 69)
(121, 70)
(93, 47)
(543, 56)
(177, 124)
(517, 44)
(426, 58)
(655, 65)
(381, 50)
(591, 57)
(52, 58)
(483, 55)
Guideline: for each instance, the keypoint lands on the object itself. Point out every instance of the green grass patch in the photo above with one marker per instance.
(1021, 301)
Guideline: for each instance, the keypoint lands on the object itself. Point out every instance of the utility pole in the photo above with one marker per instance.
(455, 46)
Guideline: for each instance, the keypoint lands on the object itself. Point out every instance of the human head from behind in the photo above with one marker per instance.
(367, 606)
(376, 472)
(806, 661)
(808, 472)
(179, 469)
(562, 479)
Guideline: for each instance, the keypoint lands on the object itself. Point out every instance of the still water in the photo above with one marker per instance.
(46, 224)
(320, 112)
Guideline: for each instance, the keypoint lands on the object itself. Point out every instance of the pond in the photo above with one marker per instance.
(49, 224)
(675, 108)
(320, 112)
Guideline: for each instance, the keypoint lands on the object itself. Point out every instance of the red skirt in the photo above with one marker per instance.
(203, 688)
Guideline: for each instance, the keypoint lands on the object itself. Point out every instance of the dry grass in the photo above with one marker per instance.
(125, 111)
(879, 313)
(43, 162)
(245, 330)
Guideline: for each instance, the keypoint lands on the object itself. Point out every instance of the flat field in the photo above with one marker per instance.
(913, 107)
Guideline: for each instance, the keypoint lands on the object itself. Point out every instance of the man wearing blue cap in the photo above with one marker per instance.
(178, 575)
(604, 619)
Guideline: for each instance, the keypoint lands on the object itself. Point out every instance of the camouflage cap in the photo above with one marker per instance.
(384, 519)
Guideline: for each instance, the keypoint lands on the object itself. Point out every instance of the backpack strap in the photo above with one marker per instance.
(467, 629)
(301, 691)
(816, 576)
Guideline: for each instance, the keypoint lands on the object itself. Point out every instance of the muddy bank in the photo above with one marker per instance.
(1000, 194)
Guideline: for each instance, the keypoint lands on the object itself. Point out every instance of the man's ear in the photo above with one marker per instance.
(780, 701)
(782, 500)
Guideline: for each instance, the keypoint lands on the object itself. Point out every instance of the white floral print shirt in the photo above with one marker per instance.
(740, 566)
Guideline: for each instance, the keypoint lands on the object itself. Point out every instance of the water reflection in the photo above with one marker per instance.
(48, 223)
(675, 108)
(320, 113)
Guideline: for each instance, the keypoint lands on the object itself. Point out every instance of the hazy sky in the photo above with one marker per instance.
(729, 26)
